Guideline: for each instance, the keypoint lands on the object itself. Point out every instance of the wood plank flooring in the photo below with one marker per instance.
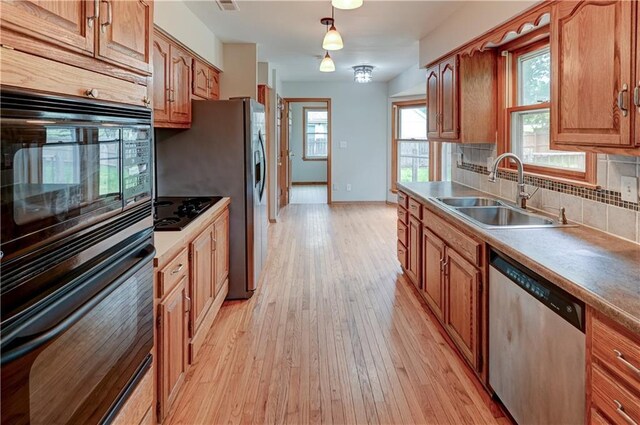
(334, 334)
(309, 194)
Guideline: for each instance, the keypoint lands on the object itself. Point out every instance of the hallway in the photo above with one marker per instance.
(309, 194)
(334, 334)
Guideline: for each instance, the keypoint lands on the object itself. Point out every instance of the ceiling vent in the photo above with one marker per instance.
(228, 5)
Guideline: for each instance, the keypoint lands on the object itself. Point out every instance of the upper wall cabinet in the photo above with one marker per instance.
(593, 76)
(461, 99)
(125, 33)
(205, 81)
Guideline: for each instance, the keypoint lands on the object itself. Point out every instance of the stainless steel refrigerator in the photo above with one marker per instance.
(223, 153)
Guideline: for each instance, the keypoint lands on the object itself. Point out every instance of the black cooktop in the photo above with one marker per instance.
(175, 213)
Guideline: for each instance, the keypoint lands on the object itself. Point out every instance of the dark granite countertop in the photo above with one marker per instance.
(600, 269)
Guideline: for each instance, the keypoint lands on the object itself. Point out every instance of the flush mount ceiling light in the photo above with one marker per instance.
(332, 39)
(327, 64)
(346, 4)
(362, 73)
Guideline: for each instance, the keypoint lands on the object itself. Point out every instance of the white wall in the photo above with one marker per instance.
(468, 22)
(177, 19)
(240, 78)
(411, 82)
(303, 171)
(359, 117)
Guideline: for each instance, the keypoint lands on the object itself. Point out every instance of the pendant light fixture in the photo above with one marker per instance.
(346, 4)
(332, 39)
(362, 73)
(327, 64)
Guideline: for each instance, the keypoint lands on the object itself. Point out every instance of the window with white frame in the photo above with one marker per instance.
(411, 143)
(316, 134)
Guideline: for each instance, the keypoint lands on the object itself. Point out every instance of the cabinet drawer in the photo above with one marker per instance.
(173, 272)
(403, 215)
(616, 402)
(402, 233)
(597, 418)
(402, 255)
(415, 208)
(466, 246)
(617, 349)
(403, 200)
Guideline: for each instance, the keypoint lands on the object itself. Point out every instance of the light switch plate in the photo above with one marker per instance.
(629, 188)
(349, 187)
(343, 144)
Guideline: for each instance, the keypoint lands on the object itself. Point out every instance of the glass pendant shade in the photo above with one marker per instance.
(332, 40)
(327, 64)
(346, 4)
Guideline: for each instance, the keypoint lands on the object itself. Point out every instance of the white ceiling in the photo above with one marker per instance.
(384, 34)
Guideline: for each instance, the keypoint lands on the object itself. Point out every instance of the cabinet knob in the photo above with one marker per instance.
(147, 102)
(92, 93)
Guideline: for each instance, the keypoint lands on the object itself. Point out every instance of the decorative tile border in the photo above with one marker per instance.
(609, 197)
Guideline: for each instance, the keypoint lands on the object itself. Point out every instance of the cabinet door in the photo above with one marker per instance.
(433, 91)
(591, 52)
(125, 32)
(180, 87)
(68, 23)
(432, 276)
(449, 98)
(201, 82)
(172, 349)
(161, 81)
(415, 242)
(462, 287)
(202, 277)
(221, 253)
(214, 81)
(636, 93)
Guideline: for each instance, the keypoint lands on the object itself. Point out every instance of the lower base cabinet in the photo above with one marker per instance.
(432, 266)
(188, 298)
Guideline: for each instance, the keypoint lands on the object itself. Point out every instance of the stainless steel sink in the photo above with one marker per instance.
(469, 201)
(503, 216)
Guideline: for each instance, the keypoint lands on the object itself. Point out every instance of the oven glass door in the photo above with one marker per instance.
(56, 177)
(72, 360)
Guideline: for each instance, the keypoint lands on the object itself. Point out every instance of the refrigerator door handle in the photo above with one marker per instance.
(263, 168)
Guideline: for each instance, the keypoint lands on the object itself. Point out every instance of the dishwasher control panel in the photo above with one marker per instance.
(555, 298)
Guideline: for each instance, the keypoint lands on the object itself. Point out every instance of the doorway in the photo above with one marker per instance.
(304, 164)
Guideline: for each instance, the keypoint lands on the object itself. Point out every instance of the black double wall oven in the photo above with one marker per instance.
(77, 257)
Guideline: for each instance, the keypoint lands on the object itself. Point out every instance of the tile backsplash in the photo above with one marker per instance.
(601, 208)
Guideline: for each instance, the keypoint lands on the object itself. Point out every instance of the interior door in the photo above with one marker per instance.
(433, 78)
(161, 71)
(70, 23)
(283, 156)
(125, 29)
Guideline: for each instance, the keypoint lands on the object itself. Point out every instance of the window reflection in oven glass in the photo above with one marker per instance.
(70, 372)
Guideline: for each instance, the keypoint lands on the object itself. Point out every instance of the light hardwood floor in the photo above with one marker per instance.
(309, 194)
(334, 334)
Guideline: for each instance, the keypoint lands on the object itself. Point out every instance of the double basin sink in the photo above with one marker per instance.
(494, 214)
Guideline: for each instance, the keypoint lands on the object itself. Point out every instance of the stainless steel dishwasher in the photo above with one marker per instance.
(536, 346)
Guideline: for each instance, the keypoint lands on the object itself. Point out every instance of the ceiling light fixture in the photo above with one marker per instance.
(332, 39)
(362, 73)
(327, 64)
(346, 4)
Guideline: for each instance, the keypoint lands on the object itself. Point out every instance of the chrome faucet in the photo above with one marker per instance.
(522, 196)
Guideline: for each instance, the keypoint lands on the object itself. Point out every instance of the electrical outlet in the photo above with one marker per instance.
(348, 187)
(343, 144)
(490, 162)
(459, 158)
(629, 188)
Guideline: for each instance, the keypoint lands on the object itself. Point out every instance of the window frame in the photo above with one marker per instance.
(508, 103)
(434, 148)
(306, 109)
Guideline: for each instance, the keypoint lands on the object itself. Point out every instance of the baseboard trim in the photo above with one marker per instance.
(360, 202)
(308, 183)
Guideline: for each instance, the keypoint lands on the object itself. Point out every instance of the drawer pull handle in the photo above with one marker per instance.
(620, 409)
(177, 269)
(625, 362)
(188, 301)
(621, 102)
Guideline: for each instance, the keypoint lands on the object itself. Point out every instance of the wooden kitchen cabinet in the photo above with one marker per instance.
(173, 317)
(462, 99)
(205, 81)
(125, 32)
(171, 84)
(413, 254)
(202, 285)
(462, 294)
(161, 61)
(636, 90)
(221, 250)
(433, 251)
(592, 49)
